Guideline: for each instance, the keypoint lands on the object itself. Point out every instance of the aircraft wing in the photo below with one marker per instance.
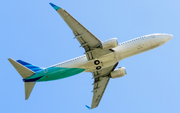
(101, 79)
(91, 45)
(87, 40)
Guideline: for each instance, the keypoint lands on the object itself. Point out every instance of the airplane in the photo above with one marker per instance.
(101, 58)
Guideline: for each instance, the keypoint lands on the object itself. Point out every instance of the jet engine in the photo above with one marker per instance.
(118, 72)
(109, 44)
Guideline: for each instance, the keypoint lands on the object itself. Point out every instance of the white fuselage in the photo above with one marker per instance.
(122, 51)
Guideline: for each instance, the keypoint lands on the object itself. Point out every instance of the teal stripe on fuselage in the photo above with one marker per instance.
(54, 73)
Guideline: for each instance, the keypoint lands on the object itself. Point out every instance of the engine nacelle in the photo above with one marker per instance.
(109, 44)
(118, 72)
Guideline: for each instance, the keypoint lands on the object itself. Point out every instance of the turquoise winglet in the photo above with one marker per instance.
(88, 107)
(54, 6)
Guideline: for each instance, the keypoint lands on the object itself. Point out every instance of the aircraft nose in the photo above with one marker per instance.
(169, 36)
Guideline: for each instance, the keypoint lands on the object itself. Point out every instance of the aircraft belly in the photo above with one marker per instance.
(105, 61)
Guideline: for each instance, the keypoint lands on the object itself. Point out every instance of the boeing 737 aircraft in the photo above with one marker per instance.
(101, 58)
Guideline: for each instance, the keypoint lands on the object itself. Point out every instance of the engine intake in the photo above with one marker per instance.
(109, 44)
(118, 72)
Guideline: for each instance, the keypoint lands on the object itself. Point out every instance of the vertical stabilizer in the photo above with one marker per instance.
(28, 89)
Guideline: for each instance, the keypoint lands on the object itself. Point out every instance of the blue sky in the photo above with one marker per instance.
(34, 32)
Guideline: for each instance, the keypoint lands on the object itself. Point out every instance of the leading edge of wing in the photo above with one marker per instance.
(55, 6)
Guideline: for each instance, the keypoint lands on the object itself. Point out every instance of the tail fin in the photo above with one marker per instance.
(30, 66)
(24, 72)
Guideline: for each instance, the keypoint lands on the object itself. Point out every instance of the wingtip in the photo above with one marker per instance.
(88, 107)
(9, 59)
(54, 6)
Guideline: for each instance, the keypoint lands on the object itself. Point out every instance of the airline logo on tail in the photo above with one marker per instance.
(30, 66)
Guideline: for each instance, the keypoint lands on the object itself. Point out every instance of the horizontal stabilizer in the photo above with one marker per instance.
(22, 70)
(28, 88)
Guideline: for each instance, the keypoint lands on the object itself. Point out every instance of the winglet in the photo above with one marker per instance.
(88, 107)
(54, 6)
